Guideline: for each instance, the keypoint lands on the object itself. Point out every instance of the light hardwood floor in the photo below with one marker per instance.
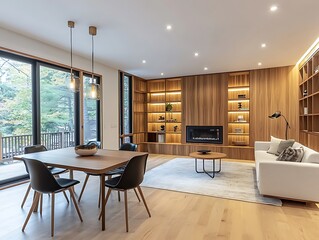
(175, 215)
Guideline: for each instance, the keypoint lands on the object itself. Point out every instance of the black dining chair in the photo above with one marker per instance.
(109, 174)
(54, 171)
(131, 178)
(42, 182)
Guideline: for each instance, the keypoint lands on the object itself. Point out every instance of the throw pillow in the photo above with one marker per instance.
(285, 144)
(291, 154)
(274, 144)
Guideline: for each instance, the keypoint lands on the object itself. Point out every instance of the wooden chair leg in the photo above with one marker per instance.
(137, 195)
(26, 195)
(126, 212)
(37, 203)
(142, 196)
(52, 214)
(106, 199)
(34, 204)
(75, 203)
(85, 182)
(66, 197)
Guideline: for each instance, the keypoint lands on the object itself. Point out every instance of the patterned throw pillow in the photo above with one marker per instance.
(284, 145)
(291, 154)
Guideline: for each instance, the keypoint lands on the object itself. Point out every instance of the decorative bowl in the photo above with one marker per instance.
(203, 151)
(86, 150)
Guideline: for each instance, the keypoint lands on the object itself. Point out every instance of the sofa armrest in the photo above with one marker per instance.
(289, 180)
(260, 145)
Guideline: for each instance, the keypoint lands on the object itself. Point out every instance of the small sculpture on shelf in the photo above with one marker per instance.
(305, 93)
(162, 128)
(161, 118)
(175, 128)
(239, 106)
(240, 118)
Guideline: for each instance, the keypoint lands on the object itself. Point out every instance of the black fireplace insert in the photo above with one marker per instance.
(204, 134)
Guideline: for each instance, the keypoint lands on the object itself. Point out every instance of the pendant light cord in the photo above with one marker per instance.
(71, 43)
(92, 58)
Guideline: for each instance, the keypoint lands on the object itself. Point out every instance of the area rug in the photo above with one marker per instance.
(235, 181)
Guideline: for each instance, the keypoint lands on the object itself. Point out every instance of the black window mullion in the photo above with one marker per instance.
(36, 120)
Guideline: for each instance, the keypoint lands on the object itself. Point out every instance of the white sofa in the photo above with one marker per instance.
(287, 180)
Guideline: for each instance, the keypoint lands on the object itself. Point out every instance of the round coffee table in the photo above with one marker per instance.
(208, 156)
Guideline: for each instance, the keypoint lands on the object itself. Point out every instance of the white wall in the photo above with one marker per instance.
(29, 46)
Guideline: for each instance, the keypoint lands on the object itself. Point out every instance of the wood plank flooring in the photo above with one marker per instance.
(175, 215)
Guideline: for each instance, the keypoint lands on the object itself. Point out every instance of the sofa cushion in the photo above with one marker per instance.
(283, 145)
(291, 154)
(274, 144)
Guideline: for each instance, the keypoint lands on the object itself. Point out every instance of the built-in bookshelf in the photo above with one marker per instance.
(309, 95)
(164, 110)
(238, 109)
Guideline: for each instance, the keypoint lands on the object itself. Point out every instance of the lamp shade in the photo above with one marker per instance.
(275, 115)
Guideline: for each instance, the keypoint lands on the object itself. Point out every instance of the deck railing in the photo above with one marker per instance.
(11, 146)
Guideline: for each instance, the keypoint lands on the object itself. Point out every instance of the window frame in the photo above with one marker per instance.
(121, 108)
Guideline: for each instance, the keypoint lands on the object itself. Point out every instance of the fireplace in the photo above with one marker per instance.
(204, 134)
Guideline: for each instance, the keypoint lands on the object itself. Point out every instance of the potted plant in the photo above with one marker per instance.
(169, 107)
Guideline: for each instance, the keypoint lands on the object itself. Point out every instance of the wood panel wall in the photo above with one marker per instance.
(204, 102)
(139, 110)
(273, 89)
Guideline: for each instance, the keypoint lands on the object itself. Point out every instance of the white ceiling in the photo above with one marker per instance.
(227, 34)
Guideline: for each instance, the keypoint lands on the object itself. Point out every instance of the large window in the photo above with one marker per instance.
(57, 108)
(15, 105)
(90, 112)
(38, 107)
(126, 108)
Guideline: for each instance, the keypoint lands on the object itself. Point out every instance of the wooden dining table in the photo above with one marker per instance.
(100, 163)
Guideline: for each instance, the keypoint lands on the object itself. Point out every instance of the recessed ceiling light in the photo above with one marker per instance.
(263, 45)
(274, 8)
(205, 68)
(196, 54)
(162, 74)
(168, 27)
(259, 64)
(144, 61)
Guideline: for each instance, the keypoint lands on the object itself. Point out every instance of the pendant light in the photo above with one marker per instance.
(73, 82)
(95, 88)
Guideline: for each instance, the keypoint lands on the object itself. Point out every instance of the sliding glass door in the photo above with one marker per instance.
(56, 108)
(15, 111)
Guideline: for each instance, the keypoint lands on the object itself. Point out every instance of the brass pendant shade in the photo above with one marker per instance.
(95, 87)
(73, 79)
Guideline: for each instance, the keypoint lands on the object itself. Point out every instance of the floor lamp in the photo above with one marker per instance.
(277, 115)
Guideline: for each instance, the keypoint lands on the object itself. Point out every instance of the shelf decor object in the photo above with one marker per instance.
(204, 151)
(277, 115)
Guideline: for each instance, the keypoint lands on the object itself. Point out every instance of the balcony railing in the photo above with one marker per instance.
(11, 146)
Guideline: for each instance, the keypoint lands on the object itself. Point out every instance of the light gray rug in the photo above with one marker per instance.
(235, 181)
